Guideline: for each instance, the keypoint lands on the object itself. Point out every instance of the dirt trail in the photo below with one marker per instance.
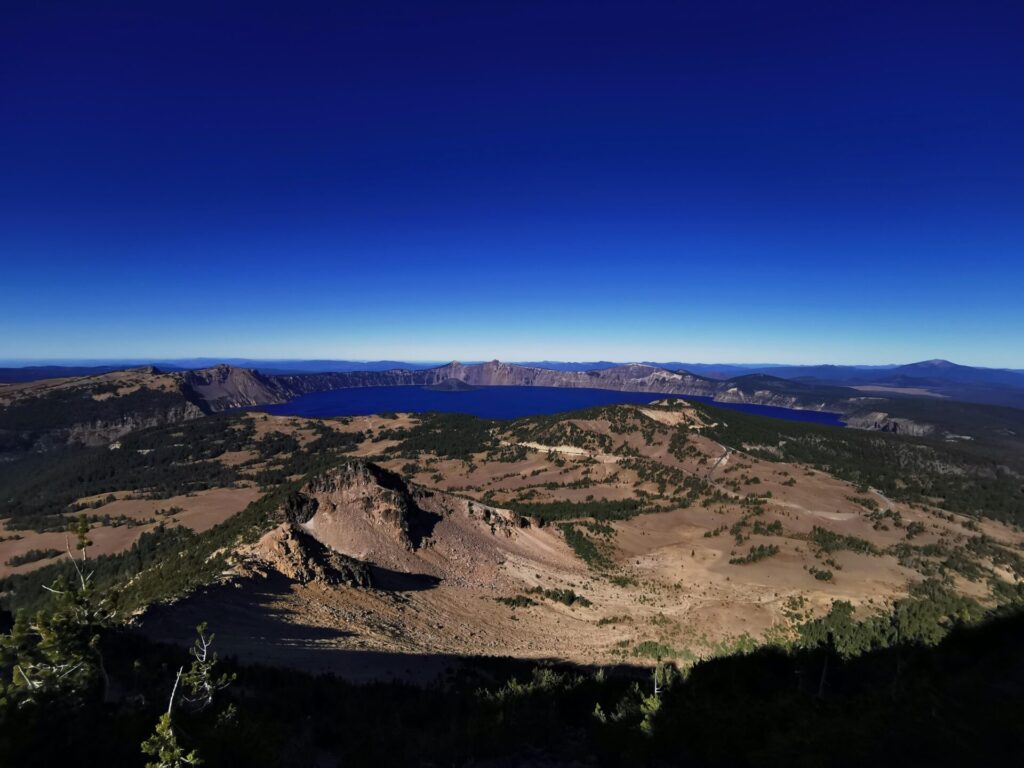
(722, 461)
(571, 450)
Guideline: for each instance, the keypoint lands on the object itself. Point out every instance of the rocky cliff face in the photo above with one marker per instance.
(880, 421)
(765, 390)
(628, 378)
(296, 555)
(89, 410)
(225, 387)
(106, 432)
(366, 501)
(408, 536)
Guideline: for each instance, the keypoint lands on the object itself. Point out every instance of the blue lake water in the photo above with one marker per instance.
(498, 402)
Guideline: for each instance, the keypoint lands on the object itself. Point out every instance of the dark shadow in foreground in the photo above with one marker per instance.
(953, 703)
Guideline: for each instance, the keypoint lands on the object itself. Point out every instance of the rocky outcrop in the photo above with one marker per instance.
(451, 385)
(225, 387)
(298, 556)
(89, 411)
(413, 537)
(106, 432)
(879, 421)
(367, 499)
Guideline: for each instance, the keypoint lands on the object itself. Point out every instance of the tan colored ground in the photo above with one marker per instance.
(671, 584)
(128, 381)
(200, 511)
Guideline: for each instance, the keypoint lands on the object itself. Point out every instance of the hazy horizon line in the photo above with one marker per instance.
(26, 362)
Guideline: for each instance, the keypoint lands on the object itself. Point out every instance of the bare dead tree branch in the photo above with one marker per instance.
(174, 690)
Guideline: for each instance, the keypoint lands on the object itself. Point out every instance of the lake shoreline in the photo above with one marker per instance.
(504, 402)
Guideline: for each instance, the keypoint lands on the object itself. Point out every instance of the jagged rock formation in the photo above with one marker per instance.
(365, 511)
(297, 555)
(371, 515)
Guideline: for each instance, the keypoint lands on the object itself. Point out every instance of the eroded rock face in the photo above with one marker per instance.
(102, 431)
(883, 422)
(627, 378)
(299, 508)
(380, 498)
(224, 387)
(296, 555)
(105, 432)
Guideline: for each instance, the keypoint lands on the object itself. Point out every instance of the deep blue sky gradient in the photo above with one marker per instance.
(729, 181)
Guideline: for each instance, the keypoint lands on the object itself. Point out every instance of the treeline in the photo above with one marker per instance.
(448, 435)
(551, 511)
(39, 490)
(32, 556)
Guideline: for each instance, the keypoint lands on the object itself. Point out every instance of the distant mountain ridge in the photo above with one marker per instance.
(940, 377)
(97, 409)
(993, 386)
(15, 374)
(226, 387)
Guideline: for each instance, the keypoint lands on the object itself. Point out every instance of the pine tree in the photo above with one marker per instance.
(200, 683)
(200, 680)
(58, 653)
(164, 746)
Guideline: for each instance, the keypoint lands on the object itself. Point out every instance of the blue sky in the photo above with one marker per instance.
(727, 182)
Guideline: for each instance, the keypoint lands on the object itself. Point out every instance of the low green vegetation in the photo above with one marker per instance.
(757, 552)
(846, 682)
(448, 435)
(981, 479)
(32, 556)
(773, 528)
(830, 542)
(653, 649)
(575, 510)
(519, 601)
(821, 574)
(594, 553)
(162, 564)
(154, 463)
(274, 443)
(563, 596)
(931, 676)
